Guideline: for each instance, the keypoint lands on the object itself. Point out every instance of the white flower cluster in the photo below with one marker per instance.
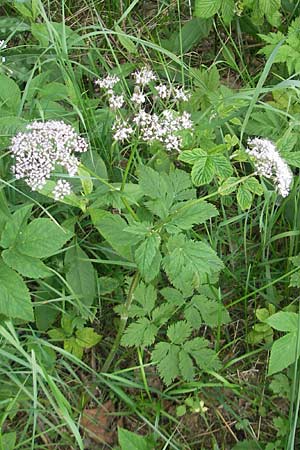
(164, 126)
(41, 148)
(270, 164)
(2, 46)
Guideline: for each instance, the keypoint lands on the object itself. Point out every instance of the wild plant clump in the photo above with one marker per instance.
(41, 148)
(135, 115)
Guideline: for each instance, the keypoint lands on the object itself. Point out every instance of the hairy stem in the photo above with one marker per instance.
(122, 325)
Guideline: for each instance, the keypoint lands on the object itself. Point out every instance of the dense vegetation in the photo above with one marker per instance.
(149, 224)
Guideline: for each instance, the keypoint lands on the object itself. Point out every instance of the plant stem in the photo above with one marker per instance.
(122, 325)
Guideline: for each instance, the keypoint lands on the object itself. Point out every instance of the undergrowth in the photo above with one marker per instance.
(149, 224)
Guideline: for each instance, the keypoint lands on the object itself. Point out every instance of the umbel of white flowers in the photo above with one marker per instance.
(270, 164)
(43, 147)
(163, 126)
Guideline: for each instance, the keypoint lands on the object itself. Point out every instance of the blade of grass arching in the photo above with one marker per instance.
(128, 11)
(35, 396)
(295, 398)
(258, 89)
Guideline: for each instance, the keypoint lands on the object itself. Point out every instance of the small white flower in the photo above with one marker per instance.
(116, 101)
(138, 97)
(2, 45)
(163, 91)
(144, 76)
(185, 121)
(270, 164)
(179, 94)
(108, 82)
(122, 131)
(61, 189)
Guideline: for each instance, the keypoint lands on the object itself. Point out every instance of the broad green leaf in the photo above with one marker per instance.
(15, 226)
(10, 94)
(113, 229)
(223, 167)
(166, 356)
(173, 296)
(45, 316)
(190, 214)
(179, 332)
(87, 337)
(192, 32)
(187, 262)
(253, 185)
(71, 345)
(71, 199)
(132, 441)
(8, 440)
(212, 312)
(86, 180)
(228, 8)
(42, 238)
(14, 296)
(108, 285)
(230, 185)
(148, 257)
(93, 161)
(26, 265)
(140, 333)
(207, 8)
(191, 156)
(80, 274)
(203, 170)
(292, 158)
(284, 321)
(285, 351)
(153, 184)
(244, 198)
(53, 91)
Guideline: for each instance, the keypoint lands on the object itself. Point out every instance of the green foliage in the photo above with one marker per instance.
(132, 441)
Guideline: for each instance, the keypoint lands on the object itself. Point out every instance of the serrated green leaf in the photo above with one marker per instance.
(173, 296)
(80, 274)
(284, 321)
(148, 257)
(223, 167)
(191, 156)
(10, 95)
(203, 170)
(185, 217)
(35, 240)
(213, 313)
(186, 366)
(86, 337)
(227, 10)
(15, 226)
(167, 358)
(14, 296)
(207, 8)
(292, 158)
(187, 262)
(205, 358)
(140, 333)
(295, 279)
(179, 332)
(244, 198)
(26, 265)
(146, 296)
(8, 440)
(230, 185)
(253, 185)
(71, 345)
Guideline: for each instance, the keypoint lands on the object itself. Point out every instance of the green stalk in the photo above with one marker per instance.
(122, 325)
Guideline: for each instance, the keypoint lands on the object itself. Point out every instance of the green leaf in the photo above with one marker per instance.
(285, 351)
(292, 158)
(191, 156)
(8, 440)
(187, 262)
(212, 312)
(145, 296)
(132, 441)
(15, 226)
(190, 214)
(228, 8)
(10, 95)
(86, 180)
(186, 366)
(80, 274)
(140, 333)
(26, 265)
(244, 198)
(192, 32)
(167, 358)
(205, 358)
(284, 321)
(230, 185)
(203, 170)
(148, 257)
(179, 332)
(253, 185)
(113, 228)
(173, 296)
(14, 296)
(87, 337)
(71, 345)
(207, 8)
(127, 43)
(42, 238)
